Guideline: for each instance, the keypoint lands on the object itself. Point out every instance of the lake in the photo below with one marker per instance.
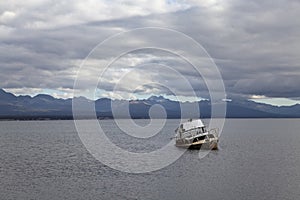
(257, 159)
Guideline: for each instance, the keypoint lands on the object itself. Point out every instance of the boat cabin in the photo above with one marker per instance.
(190, 128)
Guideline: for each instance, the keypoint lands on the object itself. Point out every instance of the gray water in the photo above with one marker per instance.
(257, 159)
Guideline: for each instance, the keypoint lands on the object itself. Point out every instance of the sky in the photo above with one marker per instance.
(255, 45)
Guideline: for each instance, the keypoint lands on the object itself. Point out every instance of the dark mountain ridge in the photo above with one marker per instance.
(44, 106)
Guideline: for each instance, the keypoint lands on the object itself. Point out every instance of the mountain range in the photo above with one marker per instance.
(47, 107)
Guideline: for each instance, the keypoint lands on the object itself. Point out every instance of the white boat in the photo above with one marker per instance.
(194, 135)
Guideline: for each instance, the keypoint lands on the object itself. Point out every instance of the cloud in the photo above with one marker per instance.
(254, 43)
(7, 16)
(25, 91)
(47, 14)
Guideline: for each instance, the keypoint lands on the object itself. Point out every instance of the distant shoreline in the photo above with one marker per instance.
(58, 118)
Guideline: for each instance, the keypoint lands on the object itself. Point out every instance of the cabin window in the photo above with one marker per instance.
(201, 137)
(201, 130)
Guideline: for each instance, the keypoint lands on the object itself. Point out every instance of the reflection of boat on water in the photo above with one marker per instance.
(194, 135)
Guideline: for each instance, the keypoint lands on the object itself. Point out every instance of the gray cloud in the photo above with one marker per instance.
(255, 44)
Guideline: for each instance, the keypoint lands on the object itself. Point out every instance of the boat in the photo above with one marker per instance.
(193, 134)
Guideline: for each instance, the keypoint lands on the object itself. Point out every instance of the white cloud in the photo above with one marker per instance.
(24, 91)
(50, 14)
(7, 16)
(116, 95)
(212, 5)
(257, 97)
(63, 95)
(277, 101)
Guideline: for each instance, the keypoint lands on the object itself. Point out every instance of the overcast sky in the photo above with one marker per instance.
(255, 44)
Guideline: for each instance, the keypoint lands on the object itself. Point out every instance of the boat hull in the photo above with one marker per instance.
(199, 145)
